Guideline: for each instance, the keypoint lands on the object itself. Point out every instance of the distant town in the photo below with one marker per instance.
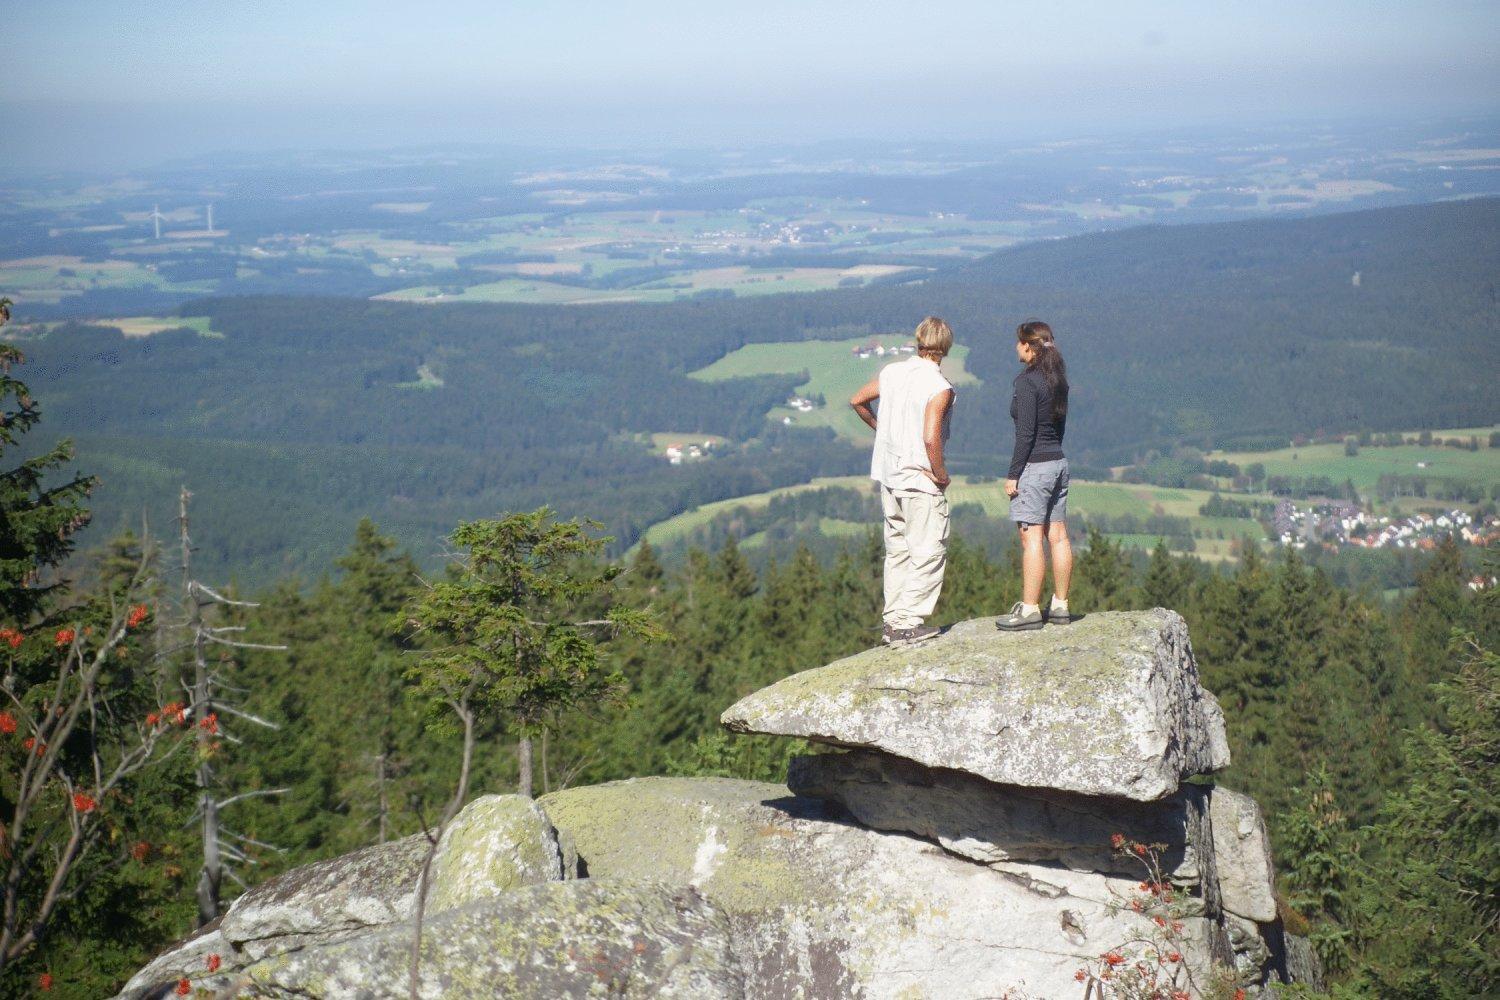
(1345, 524)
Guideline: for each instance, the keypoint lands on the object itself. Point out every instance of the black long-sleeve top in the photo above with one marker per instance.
(1038, 436)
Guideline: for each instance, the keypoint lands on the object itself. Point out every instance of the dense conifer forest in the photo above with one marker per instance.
(1366, 730)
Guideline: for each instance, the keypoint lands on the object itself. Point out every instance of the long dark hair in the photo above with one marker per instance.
(1047, 359)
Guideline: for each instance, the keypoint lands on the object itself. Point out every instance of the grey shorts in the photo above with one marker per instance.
(1043, 493)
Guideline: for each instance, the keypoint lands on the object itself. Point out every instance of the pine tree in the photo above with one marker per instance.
(1439, 604)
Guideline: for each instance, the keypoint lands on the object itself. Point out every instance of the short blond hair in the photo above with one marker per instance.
(934, 337)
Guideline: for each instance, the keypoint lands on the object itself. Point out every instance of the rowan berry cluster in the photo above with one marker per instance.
(1151, 966)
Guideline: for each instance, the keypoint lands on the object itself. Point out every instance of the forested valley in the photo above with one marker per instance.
(1191, 335)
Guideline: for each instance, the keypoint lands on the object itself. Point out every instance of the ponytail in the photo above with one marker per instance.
(1047, 359)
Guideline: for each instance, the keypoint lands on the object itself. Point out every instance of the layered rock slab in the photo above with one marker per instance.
(1110, 705)
(621, 939)
(821, 907)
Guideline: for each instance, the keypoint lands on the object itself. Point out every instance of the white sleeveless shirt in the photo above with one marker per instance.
(906, 387)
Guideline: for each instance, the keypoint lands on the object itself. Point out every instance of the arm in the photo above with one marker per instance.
(863, 397)
(1025, 432)
(933, 418)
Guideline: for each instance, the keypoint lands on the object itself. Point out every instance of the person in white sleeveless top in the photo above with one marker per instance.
(916, 401)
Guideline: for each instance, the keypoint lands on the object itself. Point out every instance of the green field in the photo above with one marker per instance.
(1108, 499)
(833, 371)
(145, 326)
(53, 278)
(1366, 468)
(741, 280)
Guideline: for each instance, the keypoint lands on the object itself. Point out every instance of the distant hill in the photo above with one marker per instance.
(309, 412)
(1454, 243)
(1213, 332)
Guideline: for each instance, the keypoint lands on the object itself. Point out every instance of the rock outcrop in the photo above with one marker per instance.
(962, 841)
(1108, 706)
(821, 906)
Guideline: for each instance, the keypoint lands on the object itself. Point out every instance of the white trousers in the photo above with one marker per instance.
(916, 552)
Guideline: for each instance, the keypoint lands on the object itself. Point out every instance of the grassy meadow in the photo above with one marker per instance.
(1111, 499)
(834, 371)
(1365, 469)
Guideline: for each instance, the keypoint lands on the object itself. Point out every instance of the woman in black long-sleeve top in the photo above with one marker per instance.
(1037, 481)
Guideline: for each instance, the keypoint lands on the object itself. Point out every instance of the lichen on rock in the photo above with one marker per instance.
(495, 844)
(625, 939)
(823, 907)
(965, 844)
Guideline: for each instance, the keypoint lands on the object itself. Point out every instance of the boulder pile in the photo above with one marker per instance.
(971, 831)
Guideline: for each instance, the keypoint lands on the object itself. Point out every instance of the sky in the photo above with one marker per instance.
(91, 83)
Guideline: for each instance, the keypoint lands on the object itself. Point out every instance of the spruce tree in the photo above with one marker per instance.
(1431, 899)
(1164, 585)
(38, 522)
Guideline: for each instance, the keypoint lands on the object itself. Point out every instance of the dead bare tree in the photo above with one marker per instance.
(223, 848)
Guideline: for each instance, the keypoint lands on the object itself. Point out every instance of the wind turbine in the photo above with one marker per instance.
(210, 217)
(156, 217)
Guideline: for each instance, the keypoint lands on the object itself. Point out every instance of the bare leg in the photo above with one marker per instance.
(1033, 564)
(1062, 559)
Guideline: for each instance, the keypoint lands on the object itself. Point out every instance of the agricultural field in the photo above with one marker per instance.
(529, 285)
(145, 326)
(1084, 499)
(1432, 462)
(834, 372)
(50, 279)
(508, 226)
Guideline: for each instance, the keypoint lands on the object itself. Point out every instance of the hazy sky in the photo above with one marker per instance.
(129, 81)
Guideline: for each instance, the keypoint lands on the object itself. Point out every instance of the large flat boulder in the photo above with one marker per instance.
(625, 940)
(1110, 705)
(822, 907)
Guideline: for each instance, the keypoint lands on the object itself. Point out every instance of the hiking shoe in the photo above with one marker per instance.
(888, 634)
(1017, 622)
(1058, 617)
(914, 635)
